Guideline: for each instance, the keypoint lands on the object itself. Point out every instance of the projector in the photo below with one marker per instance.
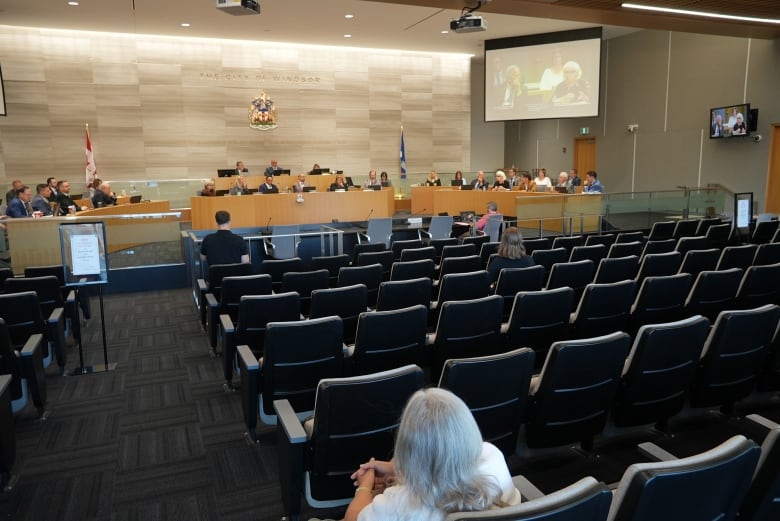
(468, 24)
(239, 7)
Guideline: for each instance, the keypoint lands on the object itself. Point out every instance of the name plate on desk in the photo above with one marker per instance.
(414, 221)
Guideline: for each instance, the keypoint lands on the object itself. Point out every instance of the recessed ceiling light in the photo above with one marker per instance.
(185, 24)
(73, 3)
(701, 13)
(347, 36)
(349, 16)
(445, 31)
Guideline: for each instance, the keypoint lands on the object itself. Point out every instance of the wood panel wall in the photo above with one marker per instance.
(175, 108)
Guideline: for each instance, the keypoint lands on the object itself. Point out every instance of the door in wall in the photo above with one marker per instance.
(772, 201)
(584, 155)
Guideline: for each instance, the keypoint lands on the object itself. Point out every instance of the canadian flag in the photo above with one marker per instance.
(91, 169)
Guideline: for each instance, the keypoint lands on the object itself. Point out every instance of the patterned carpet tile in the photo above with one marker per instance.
(157, 419)
(159, 446)
(257, 503)
(159, 482)
(201, 506)
(156, 378)
(157, 396)
(68, 463)
(65, 433)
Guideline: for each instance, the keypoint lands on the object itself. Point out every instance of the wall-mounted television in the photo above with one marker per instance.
(542, 76)
(730, 121)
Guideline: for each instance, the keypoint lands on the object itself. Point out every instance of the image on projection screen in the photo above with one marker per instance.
(550, 80)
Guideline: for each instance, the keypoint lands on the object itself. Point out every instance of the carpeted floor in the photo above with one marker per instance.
(159, 439)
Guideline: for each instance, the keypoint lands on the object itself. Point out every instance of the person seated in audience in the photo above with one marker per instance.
(269, 187)
(67, 205)
(492, 209)
(480, 183)
(459, 177)
(372, 180)
(511, 254)
(592, 183)
(16, 184)
(52, 182)
(501, 182)
(93, 187)
(40, 202)
(433, 179)
(526, 184)
(338, 184)
(241, 187)
(223, 246)
(20, 206)
(300, 184)
(104, 196)
(384, 179)
(274, 168)
(440, 465)
(209, 189)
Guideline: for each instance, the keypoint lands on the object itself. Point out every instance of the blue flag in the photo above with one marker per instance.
(403, 155)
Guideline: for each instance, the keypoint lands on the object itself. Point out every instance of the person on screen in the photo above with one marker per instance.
(67, 205)
(338, 185)
(573, 89)
(40, 203)
(543, 180)
(717, 126)
(498, 80)
(433, 179)
(480, 183)
(104, 196)
(592, 183)
(209, 189)
(240, 188)
(274, 168)
(732, 118)
(739, 128)
(223, 246)
(501, 183)
(459, 177)
(300, 184)
(514, 87)
(269, 187)
(553, 74)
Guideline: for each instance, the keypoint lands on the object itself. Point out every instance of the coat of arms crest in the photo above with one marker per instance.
(262, 113)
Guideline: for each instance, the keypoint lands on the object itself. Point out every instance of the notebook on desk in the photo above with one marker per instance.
(134, 199)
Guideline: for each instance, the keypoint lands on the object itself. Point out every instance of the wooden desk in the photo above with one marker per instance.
(36, 242)
(270, 209)
(321, 182)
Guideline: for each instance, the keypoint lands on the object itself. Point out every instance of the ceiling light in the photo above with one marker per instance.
(73, 3)
(349, 16)
(701, 13)
(185, 24)
(347, 36)
(445, 31)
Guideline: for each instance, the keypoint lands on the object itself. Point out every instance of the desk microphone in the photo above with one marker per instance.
(369, 214)
(421, 212)
(268, 225)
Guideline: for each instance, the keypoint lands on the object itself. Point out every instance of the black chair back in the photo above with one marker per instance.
(398, 294)
(603, 309)
(617, 269)
(406, 270)
(389, 339)
(346, 302)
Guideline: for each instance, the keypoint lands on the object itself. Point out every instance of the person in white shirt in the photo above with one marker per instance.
(543, 180)
(440, 466)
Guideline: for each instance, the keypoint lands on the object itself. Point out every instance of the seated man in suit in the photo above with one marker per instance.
(67, 205)
(269, 187)
(274, 168)
(103, 196)
(40, 203)
(19, 206)
(300, 184)
(11, 194)
(592, 183)
(240, 188)
(240, 168)
(372, 180)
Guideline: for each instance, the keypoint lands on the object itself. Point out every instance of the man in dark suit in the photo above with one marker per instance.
(67, 205)
(240, 168)
(103, 196)
(269, 187)
(20, 206)
(11, 194)
(273, 169)
(40, 202)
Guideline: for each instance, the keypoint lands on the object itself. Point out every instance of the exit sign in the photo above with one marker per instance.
(584, 131)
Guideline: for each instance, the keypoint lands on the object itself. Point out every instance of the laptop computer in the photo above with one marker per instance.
(224, 172)
(561, 189)
(134, 199)
(467, 187)
(541, 188)
(456, 182)
(274, 190)
(309, 188)
(221, 192)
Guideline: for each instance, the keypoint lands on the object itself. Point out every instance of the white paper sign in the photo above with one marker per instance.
(85, 254)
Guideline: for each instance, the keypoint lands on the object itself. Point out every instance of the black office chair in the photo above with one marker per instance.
(542, 243)
(762, 501)
(607, 240)
(297, 356)
(415, 254)
(370, 276)
(354, 420)
(760, 285)
(713, 292)
(466, 328)
(764, 231)
(399, 246)
(23, 318)
(346, 302)
(660, 299)
(25, 367)
(213, 284)
(595, 252)
(736, 257)
(664, 246)
(539, 318)
(659, 265)
(626, 237)
(255, 312)
(398, 294)
(461, 286)
(457, 250)
(463, 264)
(82, 295)
(575, 275)
(384, 258)
(603, 309)
(718, 236)
(548, 258)
(625, 249)
(513, 280)
(768, 253)
(710, 485)
(658, 372)
(616, 269)
(357, 249)
(233, 288)
(487, 250)
(476, 240)
(331, 263)
(686, 244)
(495, 388)
(571, 398)
(685, 228)
(388, 339)
(661, 231)
(276, 268)
(568, 242)
(303, 283)
(696, 261)
(706, 224)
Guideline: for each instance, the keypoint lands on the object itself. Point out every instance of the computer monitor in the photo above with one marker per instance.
(348, 181)
(282, 172)
(467, 187)
(135, 199)
(456, 182)
(316, 171)
(374, 187)
(541, 188)
(309, 188)
(385, 184)
(221, 192)
(224, 172)
(561, 189)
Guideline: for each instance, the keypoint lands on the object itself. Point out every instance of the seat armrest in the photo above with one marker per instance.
(212, 319)
(71, 296)
(31, 358)
(289, 422)
(203, 288)
(268, 248)
(424, 235)
(227, 324)
(527, 489)
(363, 237)
(762, 421)
(290, 446)
(56, 332)
(654, 452)
(249, 367)
(228, 341)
